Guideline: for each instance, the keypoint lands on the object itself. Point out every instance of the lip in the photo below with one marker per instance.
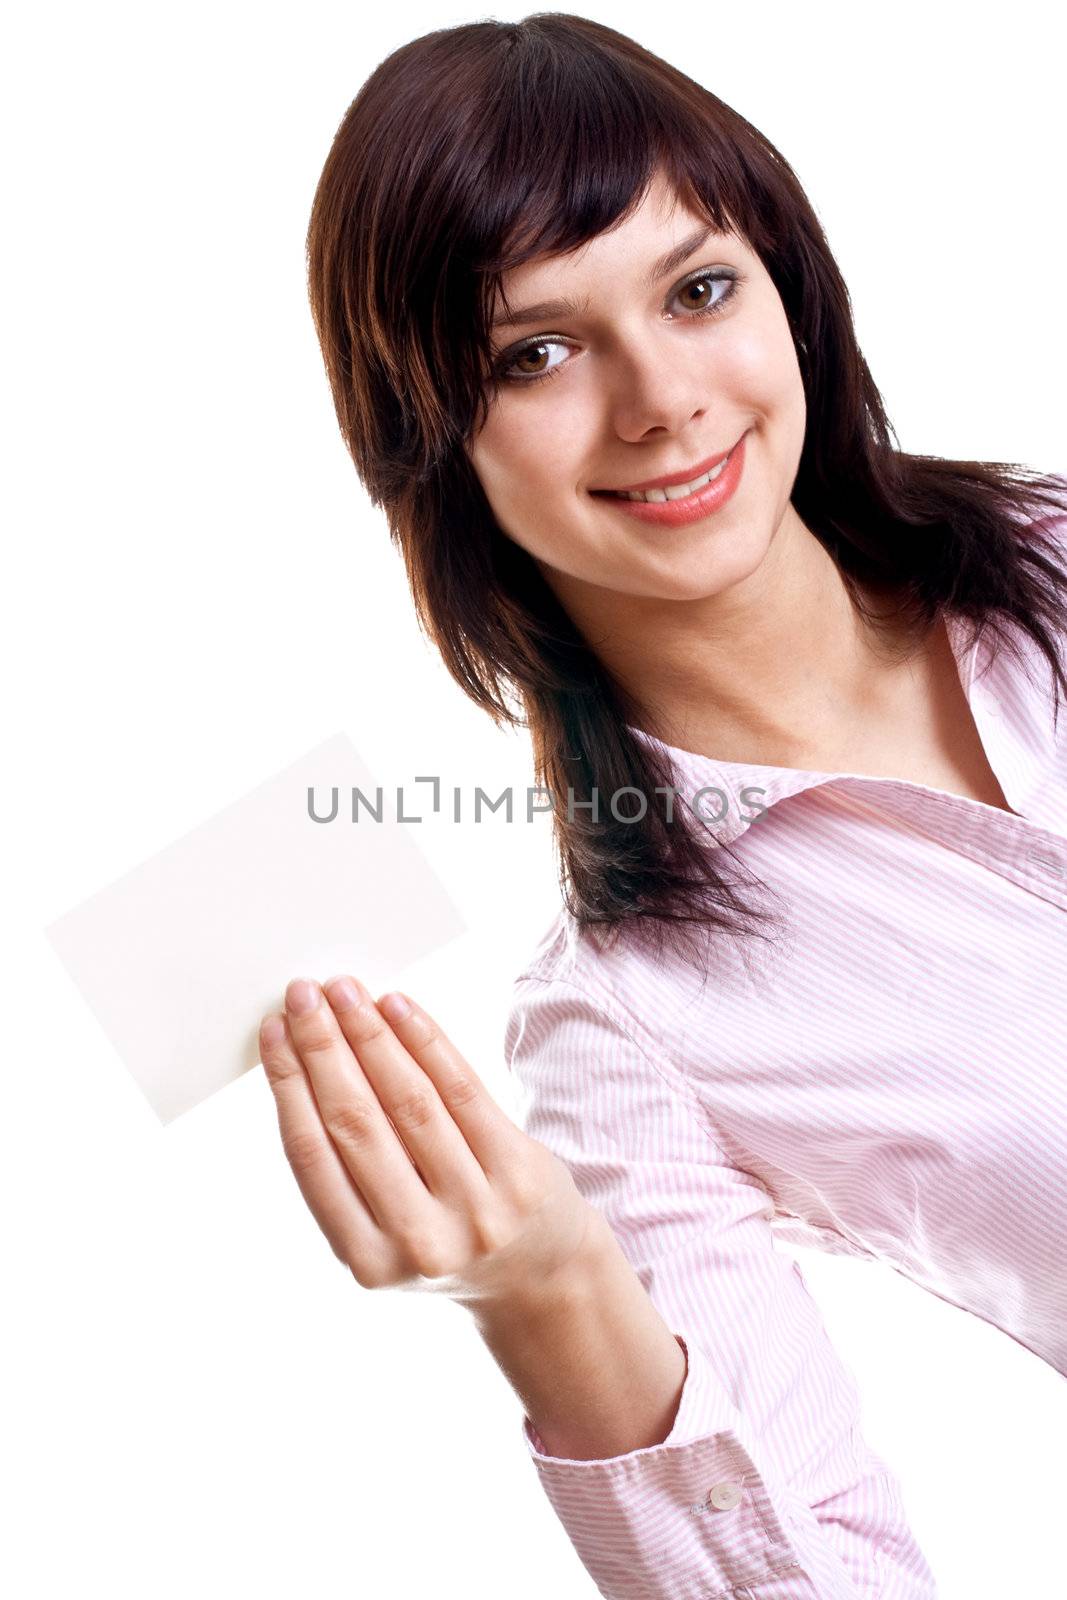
(671, 478)
(693, 507)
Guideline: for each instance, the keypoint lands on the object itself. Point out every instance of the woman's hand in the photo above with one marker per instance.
(415, 1175)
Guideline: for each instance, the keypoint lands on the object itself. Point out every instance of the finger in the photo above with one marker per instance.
(489, 1133)
(324, 1180)
(407, 1095)
(369, 1146)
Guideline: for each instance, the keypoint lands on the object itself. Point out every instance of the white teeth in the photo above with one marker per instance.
(677, 491)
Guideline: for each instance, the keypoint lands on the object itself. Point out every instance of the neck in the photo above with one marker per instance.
(772, 668)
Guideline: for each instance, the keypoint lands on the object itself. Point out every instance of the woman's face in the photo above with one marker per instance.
(641, 385)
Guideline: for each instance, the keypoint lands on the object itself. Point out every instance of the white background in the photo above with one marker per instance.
(197, 1399)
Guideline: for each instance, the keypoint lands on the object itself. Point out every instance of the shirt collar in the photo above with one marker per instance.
(1012, 713)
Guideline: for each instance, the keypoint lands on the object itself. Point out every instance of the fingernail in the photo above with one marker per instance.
(393, 1007)
(342, 994)
(271, 1030)
(302, 996)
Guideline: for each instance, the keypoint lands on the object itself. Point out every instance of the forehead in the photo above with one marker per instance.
(653, 240)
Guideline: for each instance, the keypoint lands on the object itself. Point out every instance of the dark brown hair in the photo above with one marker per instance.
(476, 148)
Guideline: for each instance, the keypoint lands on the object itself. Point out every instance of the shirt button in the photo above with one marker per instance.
(725, 1496)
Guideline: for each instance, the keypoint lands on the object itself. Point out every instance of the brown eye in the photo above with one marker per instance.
(702, 287)
(510, 368)
(532, 353)
(526, 365)
(705, 296)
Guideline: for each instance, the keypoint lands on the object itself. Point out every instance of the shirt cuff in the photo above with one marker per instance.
(691, 1515)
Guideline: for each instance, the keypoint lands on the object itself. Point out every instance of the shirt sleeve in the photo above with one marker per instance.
(764, 1487)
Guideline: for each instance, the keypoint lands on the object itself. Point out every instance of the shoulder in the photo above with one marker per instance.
(568, 968)
(565, 968)
(576, 992)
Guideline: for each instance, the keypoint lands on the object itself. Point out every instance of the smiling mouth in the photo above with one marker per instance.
(674, 491)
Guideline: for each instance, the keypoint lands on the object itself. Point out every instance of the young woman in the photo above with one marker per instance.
(591, 354)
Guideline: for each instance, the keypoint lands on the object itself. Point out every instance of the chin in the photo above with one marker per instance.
(688, 587)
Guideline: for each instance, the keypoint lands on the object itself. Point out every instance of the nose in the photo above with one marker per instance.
(656, 389)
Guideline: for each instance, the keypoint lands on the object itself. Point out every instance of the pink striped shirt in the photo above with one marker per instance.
(873, 1086)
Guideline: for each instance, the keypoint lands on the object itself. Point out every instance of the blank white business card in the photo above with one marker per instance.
(181, 957)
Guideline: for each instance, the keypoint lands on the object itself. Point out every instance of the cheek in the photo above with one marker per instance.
(760, 365)
(525, 452)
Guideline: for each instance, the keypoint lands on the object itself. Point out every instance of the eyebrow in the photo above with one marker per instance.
(545, 310)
